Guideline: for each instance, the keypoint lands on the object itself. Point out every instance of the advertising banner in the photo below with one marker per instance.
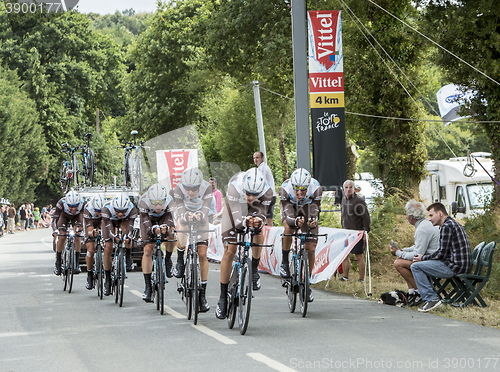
(326, 94)
(171, 164)
(330, 251)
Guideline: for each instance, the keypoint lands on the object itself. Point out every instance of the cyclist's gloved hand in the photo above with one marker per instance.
(257, 222)
(313, 222)
(164, 230)
(299, 221)
(156, 229)
(199, 216)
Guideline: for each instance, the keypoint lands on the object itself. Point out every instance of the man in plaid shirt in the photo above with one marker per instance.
(453, 256)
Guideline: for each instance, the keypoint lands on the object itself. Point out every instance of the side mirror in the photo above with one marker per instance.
(454, 207)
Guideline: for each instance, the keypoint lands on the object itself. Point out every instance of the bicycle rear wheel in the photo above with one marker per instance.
(63, 178)
(71, 267)
(99, 270)
(194, 288)
(121, 277)
(64, 269)
(136, 176)
(127, 169)
(232, 305)
(76, 176)
(291, 284)
(160, 282)
(245, 297)
(303, 282)
(90, 168)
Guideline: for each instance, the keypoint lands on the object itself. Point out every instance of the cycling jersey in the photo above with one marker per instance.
(200, 203)
(91, 218)
(291, 208)
(110, 220)
(150, 218)
(62, 215)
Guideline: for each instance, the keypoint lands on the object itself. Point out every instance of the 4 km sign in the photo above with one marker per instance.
(326, 96)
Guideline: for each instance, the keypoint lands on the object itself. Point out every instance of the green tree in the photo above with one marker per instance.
(470, 29)
(24, 161)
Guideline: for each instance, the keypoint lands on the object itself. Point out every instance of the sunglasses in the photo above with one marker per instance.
(157, 202)
(73, 205)
(252, 193)
(98, 210)
(122, 211)
(194, 188)
(300, 188)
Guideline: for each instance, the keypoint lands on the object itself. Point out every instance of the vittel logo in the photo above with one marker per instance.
(324, 27)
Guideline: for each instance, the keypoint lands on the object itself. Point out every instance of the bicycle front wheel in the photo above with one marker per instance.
(194, 289)
(245, 297)
(64, 269)
(232, 304)
(303, 282)
(63, 178)
(71, 267)
(121, 277)
(189, 285)
(160, 282)
(75, 171)
(99, 270)
(291, 285)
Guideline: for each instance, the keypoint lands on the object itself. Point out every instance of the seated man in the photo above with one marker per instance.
(156, 208)
(192, 197)
(300, 203)
(247, 203)
(68, 212)
(118, 212)
(453, 256)
(426, 242)
(92, 216)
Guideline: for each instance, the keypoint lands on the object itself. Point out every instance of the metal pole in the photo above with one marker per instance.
(299, 41)
(258, 114)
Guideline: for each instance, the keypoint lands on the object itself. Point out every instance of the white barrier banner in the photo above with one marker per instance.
(329, 253)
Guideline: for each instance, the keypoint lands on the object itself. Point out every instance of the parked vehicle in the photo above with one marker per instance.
(461, 184)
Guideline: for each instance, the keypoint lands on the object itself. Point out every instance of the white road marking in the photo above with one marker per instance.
(225, 340)
(270, 362)
(217, 336)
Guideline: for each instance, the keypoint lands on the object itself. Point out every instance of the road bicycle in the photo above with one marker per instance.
(239, 294)
(88, 167)
(118, 269)
(158, 276)
(298, 283)
(99, 265)
(69, 168)
(68, 260)
(190, 285)
(132, 168)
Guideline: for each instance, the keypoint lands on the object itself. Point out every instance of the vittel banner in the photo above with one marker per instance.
(326, 94)
(171, 164)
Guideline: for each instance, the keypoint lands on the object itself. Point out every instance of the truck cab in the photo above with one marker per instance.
(458, 183)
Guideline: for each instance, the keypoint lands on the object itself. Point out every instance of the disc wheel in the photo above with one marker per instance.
(71, 268)
(245, 297)
(99, 271)
(291, 284)
(194, 288)
(160, 282)
(303, 283)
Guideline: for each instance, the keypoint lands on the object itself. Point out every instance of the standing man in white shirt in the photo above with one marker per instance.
(258, 159)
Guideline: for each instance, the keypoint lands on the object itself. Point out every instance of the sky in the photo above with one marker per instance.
(110, 6)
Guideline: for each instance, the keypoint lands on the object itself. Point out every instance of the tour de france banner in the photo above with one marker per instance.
(330, 250)
(171, 164)
(326, 96)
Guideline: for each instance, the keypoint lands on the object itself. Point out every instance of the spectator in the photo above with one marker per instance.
(426, 242)
(354, 216)
(36, 217)
(12, 219)
(357, 190)
(2, 207)
(452, 257)
(258, 159)
(22, 217)
(218, 201)
(5, 215)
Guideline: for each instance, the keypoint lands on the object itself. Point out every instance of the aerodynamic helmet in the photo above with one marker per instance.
(191, 178)
(254, 181)
(300, 179)
(157, 194)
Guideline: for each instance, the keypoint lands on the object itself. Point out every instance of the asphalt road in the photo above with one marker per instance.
(43, 328)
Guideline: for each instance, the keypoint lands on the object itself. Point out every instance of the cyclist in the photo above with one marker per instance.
(155, 208)
(118, 212)
(246, 205)
(92, 215)
(193, 196)
(68, 212)
(300, 204)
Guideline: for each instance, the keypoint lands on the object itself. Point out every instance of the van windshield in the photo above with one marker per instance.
(479, 194)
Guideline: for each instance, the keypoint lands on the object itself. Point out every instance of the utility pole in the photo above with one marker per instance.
(302, 132)
(258, 114)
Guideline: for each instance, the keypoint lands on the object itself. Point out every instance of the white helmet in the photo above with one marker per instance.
(157, 194)
(254, 181)
(300, 179)
(73, 198)
(121, 202)
(98, 202)
(191, 178)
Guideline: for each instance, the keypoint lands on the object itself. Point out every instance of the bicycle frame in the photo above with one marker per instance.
(118, 270)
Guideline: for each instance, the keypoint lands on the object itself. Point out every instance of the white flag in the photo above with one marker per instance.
(450, 98)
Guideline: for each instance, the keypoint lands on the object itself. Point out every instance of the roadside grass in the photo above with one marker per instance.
(389, 222)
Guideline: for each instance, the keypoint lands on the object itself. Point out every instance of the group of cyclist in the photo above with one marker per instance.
(247, 201)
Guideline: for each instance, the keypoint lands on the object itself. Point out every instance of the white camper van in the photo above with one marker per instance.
(454, 181)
